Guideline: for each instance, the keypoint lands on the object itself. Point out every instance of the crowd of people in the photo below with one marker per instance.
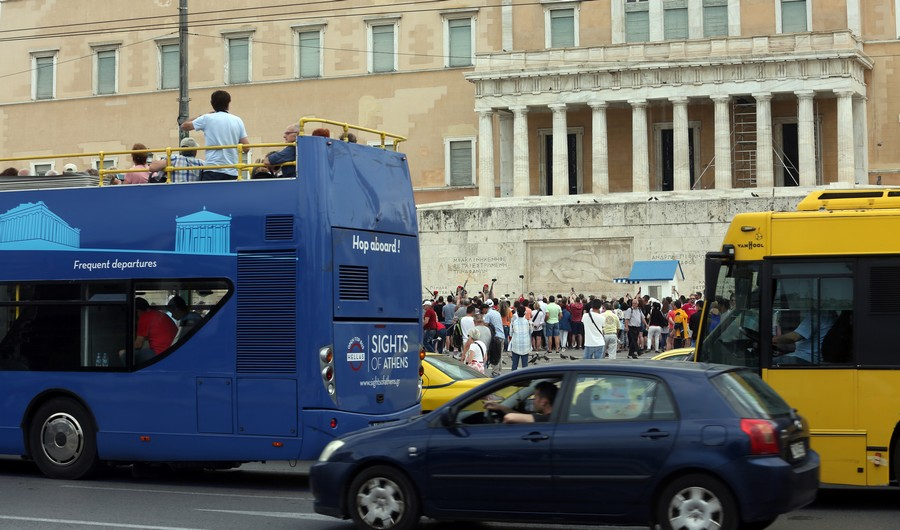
(478, 329)
(220, 128)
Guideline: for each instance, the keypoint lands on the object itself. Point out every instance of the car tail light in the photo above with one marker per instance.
(763, 436)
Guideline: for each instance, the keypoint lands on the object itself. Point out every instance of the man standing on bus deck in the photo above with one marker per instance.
(220, 128)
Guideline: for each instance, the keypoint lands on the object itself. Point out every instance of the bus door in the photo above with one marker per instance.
(811, 349)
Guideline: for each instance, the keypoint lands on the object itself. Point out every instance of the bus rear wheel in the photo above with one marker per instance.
(63, 440)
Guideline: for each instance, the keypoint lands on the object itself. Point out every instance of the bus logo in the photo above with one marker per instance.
(356, 354)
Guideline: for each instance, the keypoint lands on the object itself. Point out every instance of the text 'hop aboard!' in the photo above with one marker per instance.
(375, 246)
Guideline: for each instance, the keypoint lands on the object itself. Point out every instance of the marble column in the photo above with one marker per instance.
(640, 156)
(599, 149)
(506, 152)
(521, 178)
(861, 139)
(723, 142)
(486, 153)
(765, 169)
(682, 169)
(845, 142)
(560, 150)
(806, 137)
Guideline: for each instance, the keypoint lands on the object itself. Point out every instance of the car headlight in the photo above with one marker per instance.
(330, 449)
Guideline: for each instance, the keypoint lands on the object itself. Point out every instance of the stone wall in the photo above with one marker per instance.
(580, 241)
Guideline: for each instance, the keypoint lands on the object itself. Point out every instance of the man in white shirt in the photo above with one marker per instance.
(594, 342)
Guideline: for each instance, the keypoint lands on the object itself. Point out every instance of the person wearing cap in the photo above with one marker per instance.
(70, 169)
(492, 316)
(288, 154)
(429, 325)
(186, 159)
(475, 350)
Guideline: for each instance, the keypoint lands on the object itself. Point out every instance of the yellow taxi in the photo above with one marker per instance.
(678, 354)
(444, 378)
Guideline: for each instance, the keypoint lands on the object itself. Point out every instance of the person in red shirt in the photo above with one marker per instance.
(430, 325)
(576, 308)
(155, 332)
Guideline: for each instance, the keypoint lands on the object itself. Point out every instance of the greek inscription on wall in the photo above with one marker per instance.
(476, 264)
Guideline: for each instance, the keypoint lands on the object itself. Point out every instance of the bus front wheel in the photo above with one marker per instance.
(63, 440)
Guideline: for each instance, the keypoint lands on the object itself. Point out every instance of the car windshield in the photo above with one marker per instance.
(750, 396)
(453, 368)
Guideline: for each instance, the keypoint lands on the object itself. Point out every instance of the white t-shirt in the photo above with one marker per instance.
(465, 324)
(592, 335)
(221, 128)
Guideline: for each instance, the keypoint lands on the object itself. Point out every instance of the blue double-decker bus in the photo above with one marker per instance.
(303, 314)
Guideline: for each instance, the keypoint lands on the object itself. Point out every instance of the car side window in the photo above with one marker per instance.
(599, 398)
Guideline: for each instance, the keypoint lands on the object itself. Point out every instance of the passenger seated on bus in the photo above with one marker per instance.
(797, 347)
(274, 159)
(140, 162)
(186, 159)
(182, 314)
(155, 332)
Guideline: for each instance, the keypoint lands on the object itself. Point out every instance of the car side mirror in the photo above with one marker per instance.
(448, 417)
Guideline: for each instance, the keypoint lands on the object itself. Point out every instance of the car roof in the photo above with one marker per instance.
(646, 366)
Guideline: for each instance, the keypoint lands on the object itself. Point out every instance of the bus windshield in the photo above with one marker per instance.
(732, 322)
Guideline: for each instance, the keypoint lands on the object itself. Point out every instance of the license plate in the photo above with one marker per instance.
(798, 450)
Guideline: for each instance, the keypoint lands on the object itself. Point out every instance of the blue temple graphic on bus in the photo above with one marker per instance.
(203, 232)
(32, 226)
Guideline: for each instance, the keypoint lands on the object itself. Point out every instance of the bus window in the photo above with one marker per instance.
(735, 338)
(812, 313)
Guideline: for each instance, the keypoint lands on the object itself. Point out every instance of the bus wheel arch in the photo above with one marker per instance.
(61, 437)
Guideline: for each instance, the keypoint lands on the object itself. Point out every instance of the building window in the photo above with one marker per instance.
(43, 79)
(675, 20)
(237, 67)
(169, 71)
(561, 25)
(106, 79)
(460, 41)
(794, 16)
(108, 162)
(41, 168)
(309, 51)
(382, 46)
(715, 18)
(459, 161)
(637, 21)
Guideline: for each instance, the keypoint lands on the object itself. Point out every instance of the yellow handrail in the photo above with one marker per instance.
(241, 148)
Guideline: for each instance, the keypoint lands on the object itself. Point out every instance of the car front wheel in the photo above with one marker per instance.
(697, 502)
(381, 497)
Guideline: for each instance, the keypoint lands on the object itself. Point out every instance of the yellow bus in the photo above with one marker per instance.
(811, 298)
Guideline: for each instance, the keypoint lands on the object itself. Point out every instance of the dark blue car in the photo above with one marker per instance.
(674, 444)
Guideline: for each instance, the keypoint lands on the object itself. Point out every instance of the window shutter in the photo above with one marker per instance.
(383, 48)
(310, 51)
(562, 28)
(238, 60)
(715, 21)
(43, 79)
(106, 72)
(461, 163)
(460, 41)
(676, 23)
(169, 56)
(637, 26)
(793, 16)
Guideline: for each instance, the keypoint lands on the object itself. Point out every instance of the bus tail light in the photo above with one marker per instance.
(326, 365)
(763, 436)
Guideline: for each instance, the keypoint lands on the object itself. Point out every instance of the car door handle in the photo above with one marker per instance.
(536, 437)
(654, 434)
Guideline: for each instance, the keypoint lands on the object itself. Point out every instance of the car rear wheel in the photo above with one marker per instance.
(63, 440)
(381, 497)
(697, 502)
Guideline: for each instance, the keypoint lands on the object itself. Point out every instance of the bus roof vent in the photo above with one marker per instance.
(267, 312)
(865, 199)
(279, 227)
(354, 282)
